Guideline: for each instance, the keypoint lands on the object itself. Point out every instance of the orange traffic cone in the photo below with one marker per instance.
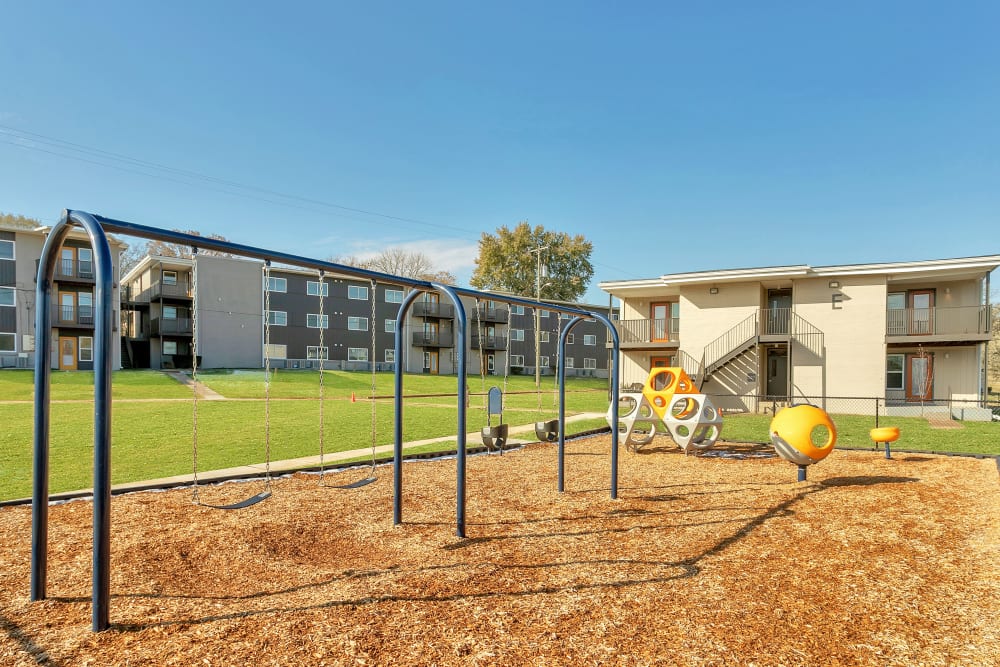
(353, 399)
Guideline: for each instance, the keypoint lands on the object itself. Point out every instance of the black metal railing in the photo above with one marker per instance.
(182, 290)
(488, 342)
(435, 339)
(159, 326)
(73, 315)
(493, 314)
(433, 309)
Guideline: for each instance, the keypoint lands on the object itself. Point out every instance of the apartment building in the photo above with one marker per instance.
(349, 330)
(73, 299)
(906, 332)
(158, 301)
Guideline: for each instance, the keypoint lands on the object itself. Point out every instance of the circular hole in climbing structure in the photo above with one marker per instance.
(684, 407)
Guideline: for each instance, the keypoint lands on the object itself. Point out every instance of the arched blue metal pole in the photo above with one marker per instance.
(103, 361)
(562, 401)
(460, 326)
(615, 384)
(397, 448)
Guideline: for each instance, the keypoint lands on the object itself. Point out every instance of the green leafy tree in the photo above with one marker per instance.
(506, 262)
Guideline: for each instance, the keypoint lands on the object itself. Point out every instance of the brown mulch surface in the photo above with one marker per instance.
(701, 561)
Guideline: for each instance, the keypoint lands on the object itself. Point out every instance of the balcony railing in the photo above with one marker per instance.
(489, 342)
(69, 268)
(648, 331)
(135, 295)
(496, 314)
(956, 320)
(433, 309)
(182, 290)
(422, 339)
(775, 321)
(160, 326)
(73, 316)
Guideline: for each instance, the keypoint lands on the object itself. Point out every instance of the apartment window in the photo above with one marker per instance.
(390, 326)
(317, 352)
(357, 354)
(569, 362)
(517, 334)
(169, 347)
(589, 339)
(8, 342)
(566, 316)
(516, 360)
(357, 292)
(85, 256)
(313, 321)
(544, 313)
(86, 348)
(313, 288)
(276, 351)
(169, 277)
(85, 305)
(894, 371)
(357, 323)
(169, 312)
(390, 356)
(517, 310)
(278, 318)
(7, 296)
(590, 363)
(544, 361)
(543, 336)
(570, 339)
(394, 296)
(277, 284)
(6, 250)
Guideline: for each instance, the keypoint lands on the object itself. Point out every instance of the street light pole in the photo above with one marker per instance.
(538, 315)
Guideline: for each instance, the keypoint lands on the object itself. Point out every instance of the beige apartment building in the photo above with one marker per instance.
(910, 333)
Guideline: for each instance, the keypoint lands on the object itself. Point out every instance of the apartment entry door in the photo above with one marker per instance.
(431, 362)
(919, 377)
(663, 362)
(776, 379)
(779, 312)
(67, 353)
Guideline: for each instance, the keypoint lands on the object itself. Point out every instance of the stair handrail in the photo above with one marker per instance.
(806, 333)
(737, 336)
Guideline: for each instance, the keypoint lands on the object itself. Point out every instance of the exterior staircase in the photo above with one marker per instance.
(765, 325)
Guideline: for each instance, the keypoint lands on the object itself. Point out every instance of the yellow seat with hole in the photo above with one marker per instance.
(793, 432)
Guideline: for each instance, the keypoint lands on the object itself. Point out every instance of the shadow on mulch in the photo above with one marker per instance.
(37, 653)
(867, 481)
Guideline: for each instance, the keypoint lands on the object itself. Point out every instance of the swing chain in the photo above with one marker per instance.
(322, 368)
(267, 375)
(194, 374)
(373, 389)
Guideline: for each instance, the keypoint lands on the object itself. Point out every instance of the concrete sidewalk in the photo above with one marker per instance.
(308, 462)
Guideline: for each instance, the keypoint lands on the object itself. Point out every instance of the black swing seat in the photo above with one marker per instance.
(547, 431)
(353, 485)
(495, 437)
(246, 502)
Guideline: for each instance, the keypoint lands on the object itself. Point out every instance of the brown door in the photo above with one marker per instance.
(659, 319)
(919, 377)
(67, 307)
(431, 362)
(67, 354)
(921, 312)
(663, 362)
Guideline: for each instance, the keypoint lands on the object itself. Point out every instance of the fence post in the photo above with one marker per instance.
(876, 412)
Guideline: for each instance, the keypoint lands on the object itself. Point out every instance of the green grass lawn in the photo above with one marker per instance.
(19, 385)
(154, 439)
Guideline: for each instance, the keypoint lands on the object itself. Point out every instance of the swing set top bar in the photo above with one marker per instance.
(203, 243)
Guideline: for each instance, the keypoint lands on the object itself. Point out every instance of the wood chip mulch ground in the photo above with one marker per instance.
(701, 561)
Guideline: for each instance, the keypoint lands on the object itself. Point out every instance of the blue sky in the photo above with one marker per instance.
(675, 136)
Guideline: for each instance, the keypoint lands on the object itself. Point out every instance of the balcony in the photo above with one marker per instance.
(775, 322)
(648, 334)
(73, 316)
(181, 290)
(498, 314)
(68, 270)
(938, 325)
(434, 309)
(429, 339)
(166, 326)
(489, 342)
(134, 295)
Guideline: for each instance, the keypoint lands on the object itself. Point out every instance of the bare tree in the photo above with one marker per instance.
(167, 249)
(400, 262)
